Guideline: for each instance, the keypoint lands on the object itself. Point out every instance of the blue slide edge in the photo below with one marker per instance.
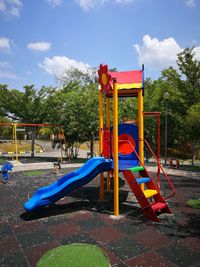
(49, 194)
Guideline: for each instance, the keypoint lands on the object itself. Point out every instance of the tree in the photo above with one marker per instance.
(193, 129)
(190, 68)
(28, 106)
(80, 116)
(75, 107)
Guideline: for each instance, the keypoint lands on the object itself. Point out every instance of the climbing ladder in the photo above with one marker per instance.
(149, 197)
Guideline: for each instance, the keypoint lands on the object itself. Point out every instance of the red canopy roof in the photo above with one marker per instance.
(128, 81)
(127, 77)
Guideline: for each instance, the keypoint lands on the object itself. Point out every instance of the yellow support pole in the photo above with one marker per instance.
(101, 141)
(141, 127)
(13, 142)
(108, 126)
(115, 137)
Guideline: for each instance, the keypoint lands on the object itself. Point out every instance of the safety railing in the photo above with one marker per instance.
(158, 164)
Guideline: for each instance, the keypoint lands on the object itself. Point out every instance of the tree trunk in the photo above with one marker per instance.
(193, 152)
(92, 147)
(77, 150)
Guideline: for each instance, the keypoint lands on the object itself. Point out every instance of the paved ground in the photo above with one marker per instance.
(130, 240)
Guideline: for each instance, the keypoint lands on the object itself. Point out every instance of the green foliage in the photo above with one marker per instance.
(27, 106)
(193, 121)
(5, 131)
(182, 105)
(75, 105)
(190, 68)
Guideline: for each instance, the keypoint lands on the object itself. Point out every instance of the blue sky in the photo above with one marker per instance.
(41, 39)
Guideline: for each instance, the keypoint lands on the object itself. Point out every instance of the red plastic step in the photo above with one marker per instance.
(158, 206)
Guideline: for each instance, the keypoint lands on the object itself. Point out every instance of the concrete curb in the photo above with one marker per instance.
(41, 166)
(18, 166)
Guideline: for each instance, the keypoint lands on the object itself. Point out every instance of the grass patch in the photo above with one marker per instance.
(76, 255)
(194, 203)
(22, 146)
(78, 160)
(2, 160)
(34, 173)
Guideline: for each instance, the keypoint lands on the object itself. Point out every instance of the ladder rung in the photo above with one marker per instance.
(158, 206)
(137, 168)
(143, 180)
(150, 193)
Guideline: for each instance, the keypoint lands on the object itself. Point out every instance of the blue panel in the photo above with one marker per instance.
(143, 180)
(52, 193)
(132, 130)
(126, 164)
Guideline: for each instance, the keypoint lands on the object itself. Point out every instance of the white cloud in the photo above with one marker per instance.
(190, 3)
(55, 3)
(39, 46)
(197, 52)
(156, 54)
(5, 44)
(4, 64)
(29, 72)
(2, 6)
(11, 8)
(57, 66)
(123, 2)
(5, 72)
(90, 4)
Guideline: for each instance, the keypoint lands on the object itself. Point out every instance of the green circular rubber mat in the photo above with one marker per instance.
(194, 203)
(74, 255)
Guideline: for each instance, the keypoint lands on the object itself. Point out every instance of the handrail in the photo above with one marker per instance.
(160, 167)
(158, 163)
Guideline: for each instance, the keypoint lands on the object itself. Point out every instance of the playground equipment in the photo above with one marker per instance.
(128, 84)
(121, 149)
(15, 151)
(50, 194)
(7, 166)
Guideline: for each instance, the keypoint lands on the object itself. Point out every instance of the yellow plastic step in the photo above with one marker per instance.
(150, 193)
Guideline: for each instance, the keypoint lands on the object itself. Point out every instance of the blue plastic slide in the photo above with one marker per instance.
(53, 192)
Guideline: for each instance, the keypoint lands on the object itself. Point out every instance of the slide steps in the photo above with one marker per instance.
(150, 199)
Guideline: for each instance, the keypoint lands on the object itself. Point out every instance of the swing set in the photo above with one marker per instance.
(15, 150)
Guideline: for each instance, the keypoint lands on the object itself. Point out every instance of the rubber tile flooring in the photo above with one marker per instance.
(129, 240)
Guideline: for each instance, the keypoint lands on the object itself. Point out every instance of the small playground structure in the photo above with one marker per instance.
(5, 169)
(121, 149)
(20, 127)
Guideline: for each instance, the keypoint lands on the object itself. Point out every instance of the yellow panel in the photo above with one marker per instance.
(130, 86)
(150, 193)
(127, 86)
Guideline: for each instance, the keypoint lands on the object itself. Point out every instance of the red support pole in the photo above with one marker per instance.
(27, 124)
